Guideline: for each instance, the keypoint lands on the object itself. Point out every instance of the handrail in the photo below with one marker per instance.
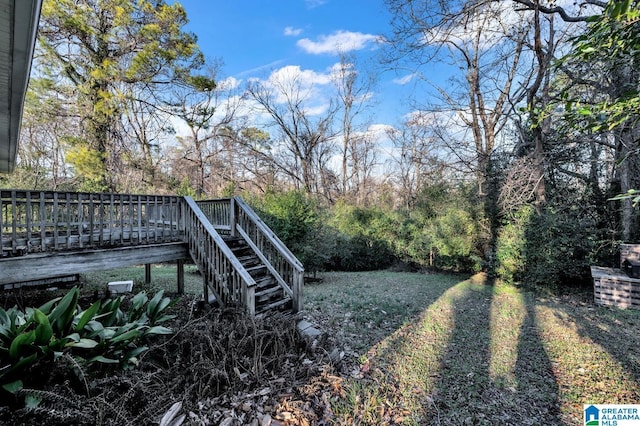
(222, 271)
(266, 262)
(273, 238)
(288, 270)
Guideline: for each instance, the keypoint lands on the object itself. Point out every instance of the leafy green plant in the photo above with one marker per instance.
(510, 246)
(295, 217)
(100, 334)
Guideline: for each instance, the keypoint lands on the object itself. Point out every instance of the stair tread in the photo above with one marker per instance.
(270, 290)
(274, 305)
(265, 281)
(269, 294)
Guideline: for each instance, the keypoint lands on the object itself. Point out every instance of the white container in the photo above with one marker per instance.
(120, 287)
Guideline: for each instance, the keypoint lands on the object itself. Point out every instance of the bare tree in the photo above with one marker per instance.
(353, 98)
(47, 125)
(146, 126)
(305, 139)
(483, 39)
(415, 157)
(207, 111)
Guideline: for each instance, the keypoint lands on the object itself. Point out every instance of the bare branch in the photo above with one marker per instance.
(530, 5)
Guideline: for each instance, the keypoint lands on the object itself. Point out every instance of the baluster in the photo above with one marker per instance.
(55, 221)
(139, 217)
(80, 220)
(101, 220)
(29, 221)
(91, 213)
(130, 219)
(43, 222)
(68, 220)
(112, 219)
(14, 221)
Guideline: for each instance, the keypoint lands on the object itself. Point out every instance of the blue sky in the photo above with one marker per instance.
(254, 38)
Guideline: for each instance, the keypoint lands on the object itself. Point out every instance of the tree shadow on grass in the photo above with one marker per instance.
(482, 382)
(473, 356)
(537, 388)
(463, 390)
(614, 330)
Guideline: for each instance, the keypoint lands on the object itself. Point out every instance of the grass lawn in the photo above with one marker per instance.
(163, 276)
(452, 350)
(438, 349)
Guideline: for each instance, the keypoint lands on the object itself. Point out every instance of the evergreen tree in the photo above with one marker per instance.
(107, 50)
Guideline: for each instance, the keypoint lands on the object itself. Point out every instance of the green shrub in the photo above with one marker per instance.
(510, 246)
(292, 214)
(546, 249)
(295, 218)
(359, 253)
(454, 237)
(558, 247)
(100, 334)
(440, 232)
(362, 240)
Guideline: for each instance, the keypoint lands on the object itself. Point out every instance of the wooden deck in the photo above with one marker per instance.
(45, 234)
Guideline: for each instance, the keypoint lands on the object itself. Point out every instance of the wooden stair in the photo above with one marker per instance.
(269, 296)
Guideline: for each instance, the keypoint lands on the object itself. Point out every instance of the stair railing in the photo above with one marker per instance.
(222, 272)
(283, 264)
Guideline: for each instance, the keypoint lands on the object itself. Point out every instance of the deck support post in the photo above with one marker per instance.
(180, 272)
(147, 273)
(232, 219)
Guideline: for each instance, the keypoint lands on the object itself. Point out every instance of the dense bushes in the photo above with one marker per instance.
(441, 232)
(558, 247)
(361, 238)
(510, 246)
(547, 249)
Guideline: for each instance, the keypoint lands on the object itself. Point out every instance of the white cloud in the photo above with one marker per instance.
(293, 32)
(317, 109)
(340, 41)
(304, 78)
(307, 83)
(291, 83)
(228, 83)
(379, 130)
(404, 80)
(485, 26)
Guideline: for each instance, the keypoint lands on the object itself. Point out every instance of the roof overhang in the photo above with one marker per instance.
(18, 30)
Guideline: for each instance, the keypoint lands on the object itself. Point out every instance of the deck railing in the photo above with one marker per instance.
(284, 266)
(223, 273)
(219, 213)
(43, 221)
(49, 221)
